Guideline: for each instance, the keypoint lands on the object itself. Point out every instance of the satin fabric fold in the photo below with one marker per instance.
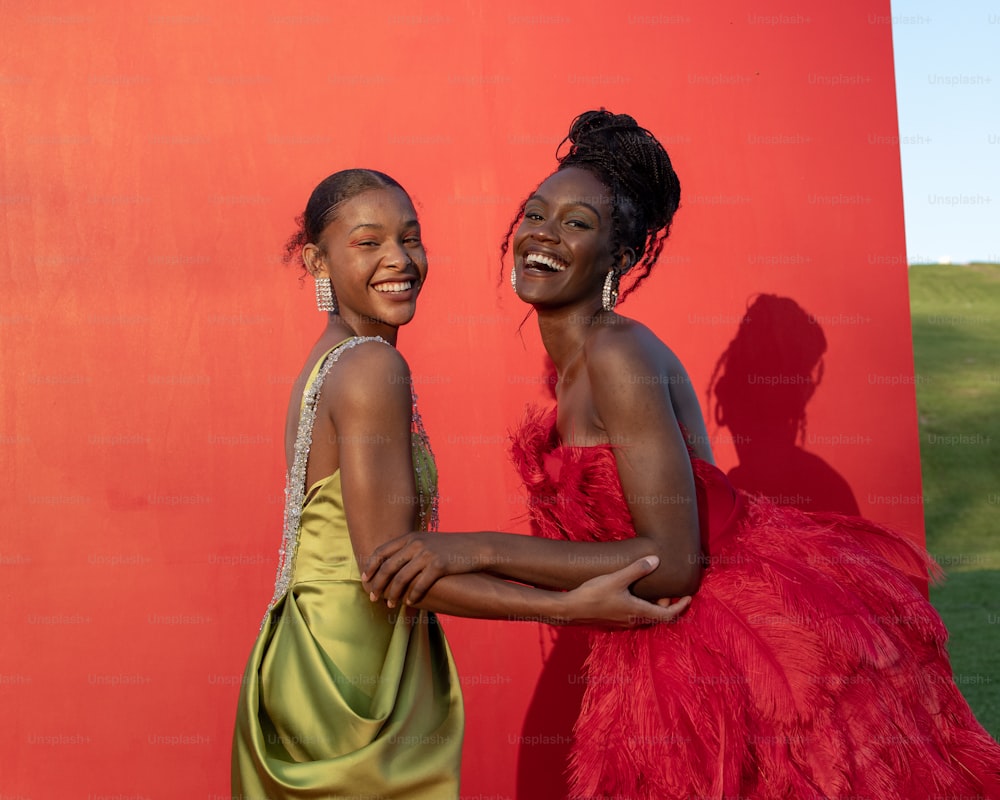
(343, 697)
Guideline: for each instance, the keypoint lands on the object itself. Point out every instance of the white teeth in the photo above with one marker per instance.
(538, 258)
(400, 286)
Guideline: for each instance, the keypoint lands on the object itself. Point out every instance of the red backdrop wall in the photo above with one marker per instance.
(154, 157)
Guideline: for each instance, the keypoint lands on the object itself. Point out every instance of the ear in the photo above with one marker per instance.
(314, 261)
(625, 261)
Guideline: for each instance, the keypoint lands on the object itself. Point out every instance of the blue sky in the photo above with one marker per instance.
(948, 95)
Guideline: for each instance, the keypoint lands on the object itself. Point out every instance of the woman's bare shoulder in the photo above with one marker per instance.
(367, 375)
(630, 346)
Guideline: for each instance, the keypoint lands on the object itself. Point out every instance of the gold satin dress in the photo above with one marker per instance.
(343, 697)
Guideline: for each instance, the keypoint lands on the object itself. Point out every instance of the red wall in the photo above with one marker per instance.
(154, 156)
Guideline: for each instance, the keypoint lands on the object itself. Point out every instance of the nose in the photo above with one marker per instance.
(397, 255)
(544, 231)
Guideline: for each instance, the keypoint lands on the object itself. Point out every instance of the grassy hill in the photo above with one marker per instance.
(956, 342)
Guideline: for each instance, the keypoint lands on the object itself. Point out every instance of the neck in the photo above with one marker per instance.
(564, 330)
(343, 327)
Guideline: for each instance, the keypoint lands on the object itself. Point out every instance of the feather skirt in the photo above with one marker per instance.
(809, 665)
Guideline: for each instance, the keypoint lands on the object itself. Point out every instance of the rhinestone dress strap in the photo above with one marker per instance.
(295, 486)
(424, 470)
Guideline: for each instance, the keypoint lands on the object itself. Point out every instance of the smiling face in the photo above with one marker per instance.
(562, 248)
(373, 254)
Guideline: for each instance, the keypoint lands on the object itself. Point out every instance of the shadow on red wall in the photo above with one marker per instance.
(548, 724)
(762, 384)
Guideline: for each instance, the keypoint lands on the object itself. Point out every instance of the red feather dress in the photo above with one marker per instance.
(808, 666)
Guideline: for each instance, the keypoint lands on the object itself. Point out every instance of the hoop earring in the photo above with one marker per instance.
(325, 301)
(609, 297)
(513, 278)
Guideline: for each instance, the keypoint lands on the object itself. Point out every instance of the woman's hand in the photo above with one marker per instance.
(606, 600)
(408, 566)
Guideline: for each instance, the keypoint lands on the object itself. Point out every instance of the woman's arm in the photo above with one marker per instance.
(631, 391)
(409, 565)
(370, 408)
(632, 404)
(605, 600)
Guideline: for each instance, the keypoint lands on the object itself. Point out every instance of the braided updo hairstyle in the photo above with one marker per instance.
(326, 199)
(638, 174)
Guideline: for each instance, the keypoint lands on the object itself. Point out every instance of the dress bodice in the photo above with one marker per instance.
(575, 492)
(324, 550)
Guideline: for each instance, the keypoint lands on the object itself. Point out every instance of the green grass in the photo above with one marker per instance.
(956, 344)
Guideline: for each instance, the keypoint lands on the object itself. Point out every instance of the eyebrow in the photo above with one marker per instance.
(408, 224)
(365, 225)
(583, 203)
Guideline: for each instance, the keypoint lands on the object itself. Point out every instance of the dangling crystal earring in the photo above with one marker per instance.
(513, 278)
(609, 297)
(325, 301)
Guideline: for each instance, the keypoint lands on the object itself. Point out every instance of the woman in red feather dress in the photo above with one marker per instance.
(809, 664)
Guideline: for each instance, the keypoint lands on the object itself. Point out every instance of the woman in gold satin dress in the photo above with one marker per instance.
(343, 697)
